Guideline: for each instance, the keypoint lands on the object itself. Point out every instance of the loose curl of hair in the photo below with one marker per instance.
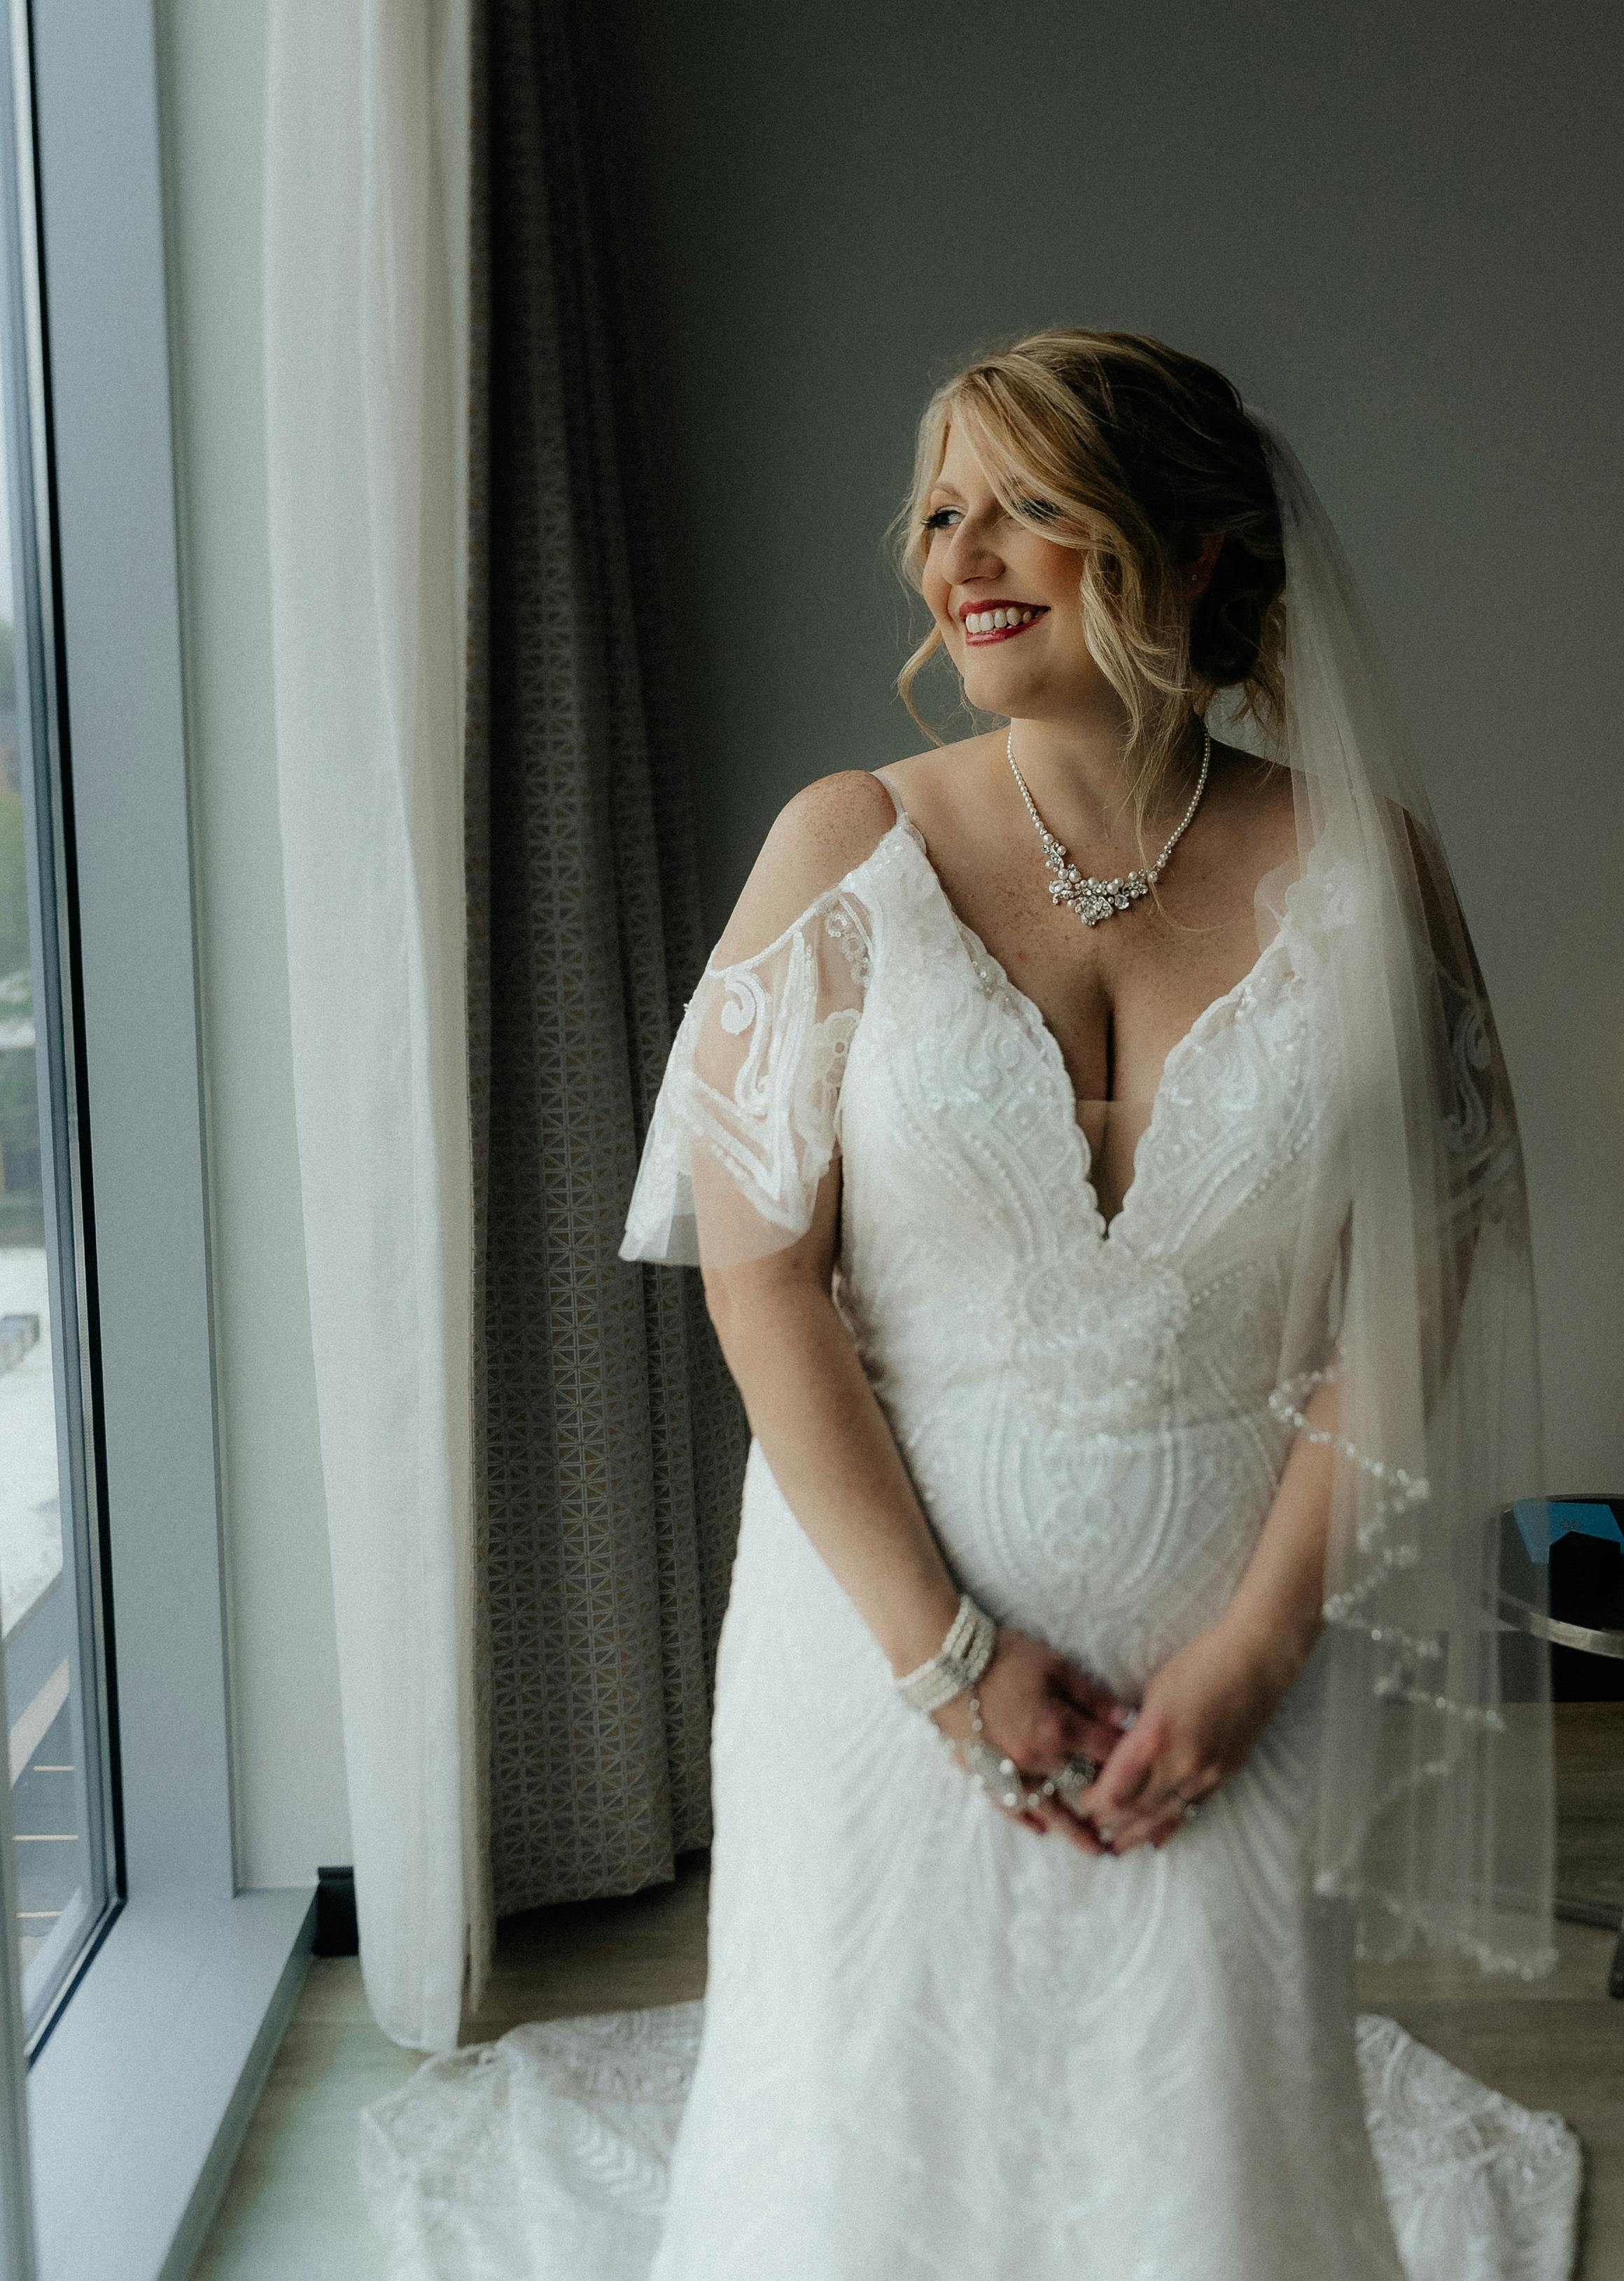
(1134, 454)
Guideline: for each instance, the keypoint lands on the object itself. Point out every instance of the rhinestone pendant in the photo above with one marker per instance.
(1075, 1777)
(1092, 899)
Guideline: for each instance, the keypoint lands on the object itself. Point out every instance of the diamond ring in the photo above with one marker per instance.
(1071, 1780)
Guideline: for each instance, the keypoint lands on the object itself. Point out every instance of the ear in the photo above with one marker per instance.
(1200, 568)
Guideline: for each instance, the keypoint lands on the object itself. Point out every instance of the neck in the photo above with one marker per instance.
(1077, 771)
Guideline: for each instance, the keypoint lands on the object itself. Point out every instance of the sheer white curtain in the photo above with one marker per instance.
(366, 358)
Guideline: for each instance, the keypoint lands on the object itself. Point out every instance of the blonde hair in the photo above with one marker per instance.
(1133, 453)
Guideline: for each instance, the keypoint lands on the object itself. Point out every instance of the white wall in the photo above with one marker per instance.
(290, 1807)
(1396, 227)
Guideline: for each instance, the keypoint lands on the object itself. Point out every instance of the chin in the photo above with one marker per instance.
(1006, 692)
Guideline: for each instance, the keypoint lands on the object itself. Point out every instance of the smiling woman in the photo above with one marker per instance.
(1133, 1321)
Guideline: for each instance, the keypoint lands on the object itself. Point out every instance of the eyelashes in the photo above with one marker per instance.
(1040, 510)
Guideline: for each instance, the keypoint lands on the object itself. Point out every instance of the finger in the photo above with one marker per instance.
(1044, 1809)
(1123, 1780)
(1152, 1833)
(1061, 1818)
(1086, 1736)
(1065, 1824)
(1155, 1826)
(1118, 1824)
(1171, 1825)
(1092, 1696)
(1027, 1820)
(1136, 1829)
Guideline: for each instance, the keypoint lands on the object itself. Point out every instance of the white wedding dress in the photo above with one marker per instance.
(935, 2045)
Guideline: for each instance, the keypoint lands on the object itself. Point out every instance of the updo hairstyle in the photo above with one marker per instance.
(1133, 453)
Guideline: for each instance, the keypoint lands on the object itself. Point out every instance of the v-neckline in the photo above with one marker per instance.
(1036, 1022)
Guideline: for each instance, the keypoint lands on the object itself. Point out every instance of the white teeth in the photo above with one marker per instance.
(991, 621)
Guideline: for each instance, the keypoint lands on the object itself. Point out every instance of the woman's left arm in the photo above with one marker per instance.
(1206, 1705)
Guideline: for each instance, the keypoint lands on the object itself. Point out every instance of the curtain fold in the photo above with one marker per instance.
(611, 1438)
(367, 406)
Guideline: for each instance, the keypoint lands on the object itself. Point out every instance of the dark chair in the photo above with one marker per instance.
(1579, 1540)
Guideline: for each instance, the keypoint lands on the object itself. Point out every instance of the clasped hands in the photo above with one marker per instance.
(1194, 1726)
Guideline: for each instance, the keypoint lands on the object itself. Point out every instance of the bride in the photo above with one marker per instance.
(1096, 1146)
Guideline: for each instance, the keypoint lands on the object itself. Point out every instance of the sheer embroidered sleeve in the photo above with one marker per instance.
(747, 1122)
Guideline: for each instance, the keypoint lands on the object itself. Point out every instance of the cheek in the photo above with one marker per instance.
(1059, 570)
(935, 589)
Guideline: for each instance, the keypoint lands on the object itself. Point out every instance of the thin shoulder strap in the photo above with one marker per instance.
(895, 801)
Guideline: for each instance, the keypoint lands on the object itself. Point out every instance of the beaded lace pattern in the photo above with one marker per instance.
(547, 2157)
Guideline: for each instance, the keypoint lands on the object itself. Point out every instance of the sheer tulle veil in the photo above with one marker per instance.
(1411, 1297)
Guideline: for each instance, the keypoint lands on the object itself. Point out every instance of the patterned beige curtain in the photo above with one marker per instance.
(612, 1442)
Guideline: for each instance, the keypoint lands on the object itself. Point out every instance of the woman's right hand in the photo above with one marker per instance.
(1038, 1709)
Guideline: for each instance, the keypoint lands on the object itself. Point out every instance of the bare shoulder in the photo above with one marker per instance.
(924, 773)
(825, 830)
(831, 824)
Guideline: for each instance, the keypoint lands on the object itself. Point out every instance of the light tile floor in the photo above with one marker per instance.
(292, 2211)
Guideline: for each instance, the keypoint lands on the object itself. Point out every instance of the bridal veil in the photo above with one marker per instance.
(1413, 1295)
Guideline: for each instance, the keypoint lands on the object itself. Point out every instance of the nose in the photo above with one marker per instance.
(970, 553)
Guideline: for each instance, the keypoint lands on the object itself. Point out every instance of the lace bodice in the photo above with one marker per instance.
(879, 1025)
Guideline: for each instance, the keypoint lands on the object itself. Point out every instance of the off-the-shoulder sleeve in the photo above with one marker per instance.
(747, 1121)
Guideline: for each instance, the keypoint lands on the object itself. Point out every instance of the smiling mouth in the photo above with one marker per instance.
(1000, 622)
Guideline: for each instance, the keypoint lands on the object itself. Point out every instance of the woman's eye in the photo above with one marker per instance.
(938, 521)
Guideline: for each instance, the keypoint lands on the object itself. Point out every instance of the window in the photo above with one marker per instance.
(55, 1687)
(155, 1986)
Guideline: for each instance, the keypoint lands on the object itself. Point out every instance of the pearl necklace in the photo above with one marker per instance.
(1094, 900)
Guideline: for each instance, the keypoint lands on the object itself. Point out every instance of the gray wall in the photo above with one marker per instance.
(1396, 226)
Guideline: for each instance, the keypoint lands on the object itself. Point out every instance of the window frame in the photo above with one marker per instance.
(138, 2098)
(64, 1170)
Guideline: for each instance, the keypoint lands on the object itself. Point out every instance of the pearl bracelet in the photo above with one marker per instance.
(957, 1663)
